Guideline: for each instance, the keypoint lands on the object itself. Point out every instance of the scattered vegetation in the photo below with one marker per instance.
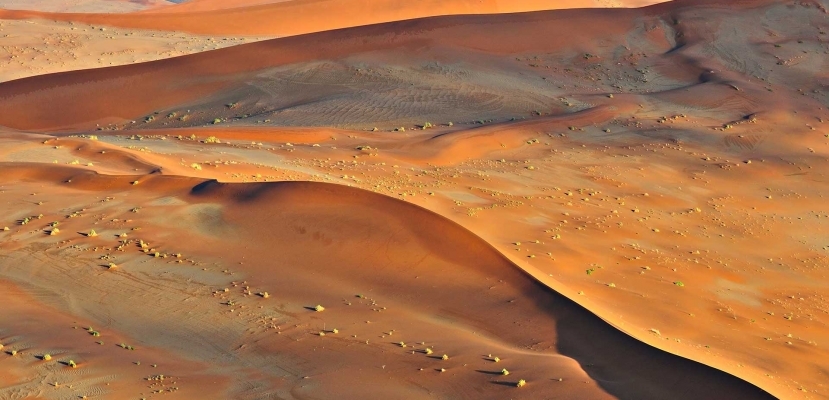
(444, 357)
(92, 233)
(46, 357)
(319, 308)
(521, 383)
(679, 283)
(72, 364)
(504, 372)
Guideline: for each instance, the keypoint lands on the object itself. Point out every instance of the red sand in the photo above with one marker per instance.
(636, 211)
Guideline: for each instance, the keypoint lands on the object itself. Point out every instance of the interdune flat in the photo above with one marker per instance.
(84, 6)
(584, 203)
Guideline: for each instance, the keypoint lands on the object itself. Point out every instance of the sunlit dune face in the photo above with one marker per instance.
(455, 199)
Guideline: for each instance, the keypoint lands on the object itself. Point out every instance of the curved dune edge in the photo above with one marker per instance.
(298, 17)
(92, 180)
(537, 276)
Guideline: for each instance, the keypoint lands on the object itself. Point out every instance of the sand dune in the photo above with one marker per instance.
(386, 249)
(428, 71)
(636, 211)
(298, 16)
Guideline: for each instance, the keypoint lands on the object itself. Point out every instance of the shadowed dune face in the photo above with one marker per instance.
(433, 267)
(602, 206)
(421, 280)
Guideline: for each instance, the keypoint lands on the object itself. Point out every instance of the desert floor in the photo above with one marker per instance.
(313, 199)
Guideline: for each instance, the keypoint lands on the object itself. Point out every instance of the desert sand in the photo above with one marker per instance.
(451, 200)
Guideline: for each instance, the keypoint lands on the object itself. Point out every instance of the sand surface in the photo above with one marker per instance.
(284, 18)
(84, 6)
(636, 211)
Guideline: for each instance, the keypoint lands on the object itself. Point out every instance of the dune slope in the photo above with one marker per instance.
(458, 69)
(297, 16)
(309, 243)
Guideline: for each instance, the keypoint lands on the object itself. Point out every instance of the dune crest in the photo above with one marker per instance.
(573, 203)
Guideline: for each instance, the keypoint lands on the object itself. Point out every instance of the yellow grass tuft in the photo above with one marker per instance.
(319, 308)
(92, 233)
(521, 383)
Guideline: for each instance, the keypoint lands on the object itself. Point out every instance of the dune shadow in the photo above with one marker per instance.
(489, 372)
(621, 365)
(505, 383)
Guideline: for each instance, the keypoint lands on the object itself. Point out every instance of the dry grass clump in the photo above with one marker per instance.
(92, 233)
(444, 357)
(212, 139)
(264, 295)
(72, 364)
(428, 351)
(319, 308)
(521, 383)
(46, 357)
(504, 372)
(54, 231)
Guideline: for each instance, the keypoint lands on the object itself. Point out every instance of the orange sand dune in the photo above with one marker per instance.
(298, 16)
(317, 243)
(304, 80)
(171, 85)
(664, 169)
(482, 7)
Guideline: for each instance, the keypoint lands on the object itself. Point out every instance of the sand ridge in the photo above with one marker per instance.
(634, 213)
